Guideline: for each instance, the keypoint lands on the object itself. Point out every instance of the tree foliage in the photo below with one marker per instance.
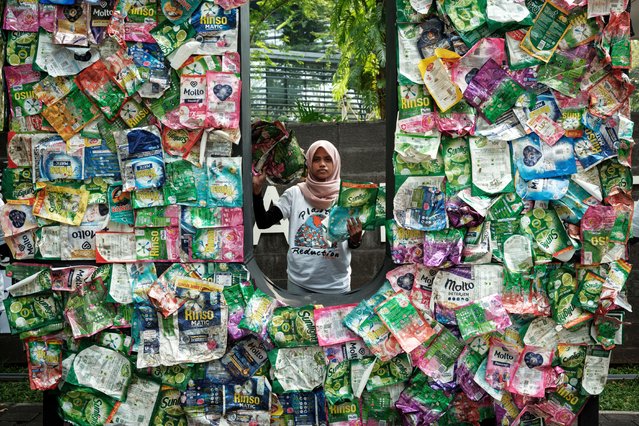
(358, 28)
(354, 29)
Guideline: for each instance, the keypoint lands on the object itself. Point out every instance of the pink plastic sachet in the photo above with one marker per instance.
(483, 316)
(21, 16)
(529, 377)
(224, 90)
(404, 322)
(329, 325)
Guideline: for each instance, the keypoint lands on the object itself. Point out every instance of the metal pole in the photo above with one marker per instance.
(390, 8)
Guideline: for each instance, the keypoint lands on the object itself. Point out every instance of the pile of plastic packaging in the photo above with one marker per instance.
(123, 212)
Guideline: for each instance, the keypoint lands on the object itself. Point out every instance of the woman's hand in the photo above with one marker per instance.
(354, 230)
(258, 183)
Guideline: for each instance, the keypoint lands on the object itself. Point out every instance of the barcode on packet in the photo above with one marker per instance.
(587, 258)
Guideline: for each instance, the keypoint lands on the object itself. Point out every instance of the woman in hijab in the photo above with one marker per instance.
(314, 264)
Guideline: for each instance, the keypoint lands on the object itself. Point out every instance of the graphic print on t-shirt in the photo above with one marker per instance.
(311, 233)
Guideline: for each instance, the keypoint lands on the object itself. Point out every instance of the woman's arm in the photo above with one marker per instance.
(264, 219)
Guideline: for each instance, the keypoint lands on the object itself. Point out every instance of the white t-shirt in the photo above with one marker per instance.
(313, 263)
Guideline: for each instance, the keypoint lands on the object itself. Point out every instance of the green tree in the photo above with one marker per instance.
(354, 29)
(358, 28)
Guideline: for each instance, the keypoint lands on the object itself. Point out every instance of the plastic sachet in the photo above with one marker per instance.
(33, 311)
(589, 292)
(501, 361)
(86, 310)
(130, 23)
(329, 325)
(70, 114)
(141, 160)
(404, 322)
(443, 248)
(547, 231)
(72, 25)
(223, 97)
(44, 358)
(457, 164)
(561, 288)
(23, 245)
(17, 76)
(345, 414)
(20, 16)
(535, 159)
(483, 316)
(17, 218)
(458, 286)
(491, 167)
(609, 95)
(365, 308)
(337, 384)
(218, 244)
(529, 377)
(292, 327)
(437, 358)
(19, 149)
(197, 332)
(54, 159)
(539, 41)
(48, 243)
(378, 338)
(211, 217)
(70, 278)
(458, 121)
(179, 142)
(595, 370)
(438, 80)
(596, 226)
(61, 204)
(258, 312)
(300, 408)
(572, 206)
(120, 208)
(615, 178)
(225, 181)
(17, 184)
(492, 91)
(245, 358)
(24, 105)
(616, 40)
(505, 15)
(417, 113)
(416, 148)
(84, 406)
(97, 82)
(422, 404)
(297, 369)
(541, 189)
(140, 403)
(193, 107)
(102, 369)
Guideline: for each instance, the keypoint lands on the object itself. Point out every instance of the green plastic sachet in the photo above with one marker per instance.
(292, 327)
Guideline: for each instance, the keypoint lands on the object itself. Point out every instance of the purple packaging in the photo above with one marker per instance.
(443, 248)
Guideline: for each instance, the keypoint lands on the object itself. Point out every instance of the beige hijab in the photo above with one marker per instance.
(321, 195)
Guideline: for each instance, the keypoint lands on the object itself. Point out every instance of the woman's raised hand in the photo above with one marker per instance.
(258, 183)
(354, 230)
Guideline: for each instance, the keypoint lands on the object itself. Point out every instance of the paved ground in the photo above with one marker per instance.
(31, 415)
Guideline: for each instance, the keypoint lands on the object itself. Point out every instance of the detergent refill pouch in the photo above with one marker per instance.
(197, 332)
(141, 158)
(535, 159)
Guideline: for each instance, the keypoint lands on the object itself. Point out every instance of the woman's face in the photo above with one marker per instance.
(322, 165)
